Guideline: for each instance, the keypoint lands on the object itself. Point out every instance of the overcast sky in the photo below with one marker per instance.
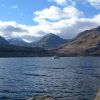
(31, 19)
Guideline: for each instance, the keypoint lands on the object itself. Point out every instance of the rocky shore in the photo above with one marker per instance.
(41, 98)
(97, 95)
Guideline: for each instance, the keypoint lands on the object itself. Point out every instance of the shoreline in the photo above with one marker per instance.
(97, 97)
(41, 98)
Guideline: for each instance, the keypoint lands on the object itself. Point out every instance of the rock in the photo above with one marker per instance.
(41, 98)
(97, 95)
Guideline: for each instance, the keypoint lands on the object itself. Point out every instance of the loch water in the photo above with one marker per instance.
(67, 78)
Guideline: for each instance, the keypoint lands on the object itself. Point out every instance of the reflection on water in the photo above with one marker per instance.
(69, 78)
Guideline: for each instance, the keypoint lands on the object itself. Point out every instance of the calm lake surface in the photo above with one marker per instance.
(68, 78)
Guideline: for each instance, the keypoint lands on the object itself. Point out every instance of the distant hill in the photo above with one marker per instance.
(86, 43)
(3, 41)
(50, 41)
(18, 51)
(19, 48)
(19, 42)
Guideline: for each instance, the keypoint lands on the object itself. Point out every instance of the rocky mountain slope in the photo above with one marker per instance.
(86, 43)
(51, 41)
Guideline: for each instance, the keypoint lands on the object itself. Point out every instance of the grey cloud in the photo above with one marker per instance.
(10, 28)
(8, 31)
(79, 26)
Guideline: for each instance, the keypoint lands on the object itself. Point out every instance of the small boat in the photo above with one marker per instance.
(56, 57)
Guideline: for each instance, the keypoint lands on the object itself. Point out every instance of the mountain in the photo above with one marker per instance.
(3, 41)
(19, 48)
(86, 43)
(19, 42)
(50, 41)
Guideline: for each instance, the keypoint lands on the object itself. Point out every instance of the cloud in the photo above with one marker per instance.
(60, 1)
(68, 24)
(12, 29)
(65, 21)
(14, 6)
(69, 28)
(95, 3)
(55, 13)
(66, 28)
(52, 13)
(64, 2)
(57, 20)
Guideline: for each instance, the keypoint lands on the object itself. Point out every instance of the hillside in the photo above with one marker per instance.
(19, 48)
(18, 51)
(3, 41)
(86, 43)
(50, 41)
